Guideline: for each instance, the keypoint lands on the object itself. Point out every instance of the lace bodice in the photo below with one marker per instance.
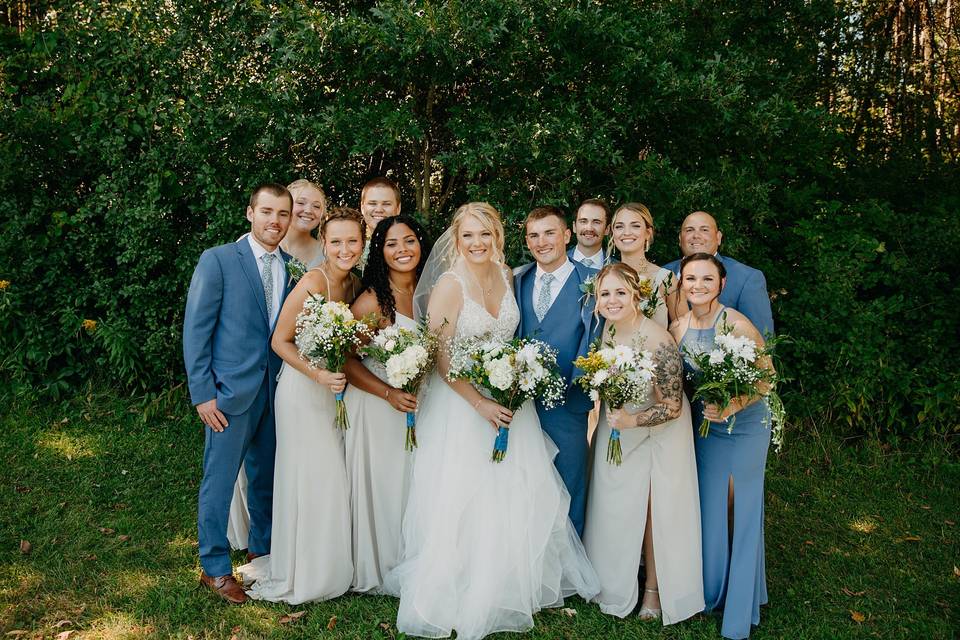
(475, 320)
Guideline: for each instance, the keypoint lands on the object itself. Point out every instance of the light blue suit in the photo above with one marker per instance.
(226, 350)
(745, 291)
(569, 326)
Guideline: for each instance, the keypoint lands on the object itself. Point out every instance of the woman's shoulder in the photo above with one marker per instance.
(655, 334)
(314, 280)
(365, 303)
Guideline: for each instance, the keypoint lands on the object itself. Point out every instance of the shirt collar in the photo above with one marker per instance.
(560, 273)
(259, 251)
(580, 257)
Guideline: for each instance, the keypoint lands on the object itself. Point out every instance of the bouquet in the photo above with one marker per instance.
(615, 374)
(732, 369)
(326, 332)
(408, 355)
(511, 372)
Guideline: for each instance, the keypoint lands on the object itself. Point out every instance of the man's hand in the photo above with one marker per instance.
(211, 416)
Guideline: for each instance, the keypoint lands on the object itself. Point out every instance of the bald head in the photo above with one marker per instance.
(699, 234)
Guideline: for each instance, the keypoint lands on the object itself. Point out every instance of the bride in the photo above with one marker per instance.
(485, 545)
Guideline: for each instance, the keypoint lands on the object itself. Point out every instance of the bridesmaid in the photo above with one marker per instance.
(310, 550)
(377, 463)
(652, 496)
(730, 466)
(632, 233)
(309, 208)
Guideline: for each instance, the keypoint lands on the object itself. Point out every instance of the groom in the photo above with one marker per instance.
(234, 300)
(553, 309)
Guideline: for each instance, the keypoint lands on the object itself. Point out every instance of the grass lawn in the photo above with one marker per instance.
(860, 543)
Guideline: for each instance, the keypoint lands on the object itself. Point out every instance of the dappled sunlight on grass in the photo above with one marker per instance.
(865, 524)
(133, 582)
(69, 446)
(117, 626)
(181, 544)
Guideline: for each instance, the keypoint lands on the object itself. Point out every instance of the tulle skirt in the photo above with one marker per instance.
(485, 545)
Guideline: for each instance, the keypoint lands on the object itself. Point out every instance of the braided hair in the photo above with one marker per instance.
(376, 275)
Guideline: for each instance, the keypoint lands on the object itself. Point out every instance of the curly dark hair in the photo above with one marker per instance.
(376, 275)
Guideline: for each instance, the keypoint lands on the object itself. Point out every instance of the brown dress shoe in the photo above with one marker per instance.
(252, 556)
(225, 587)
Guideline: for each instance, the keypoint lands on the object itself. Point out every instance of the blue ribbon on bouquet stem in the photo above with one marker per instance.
(500, 444)
(411, 442)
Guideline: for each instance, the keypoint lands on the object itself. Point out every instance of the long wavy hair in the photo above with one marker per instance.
(376, 275)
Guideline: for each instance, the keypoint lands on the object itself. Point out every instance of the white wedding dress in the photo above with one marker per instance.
(485, 545)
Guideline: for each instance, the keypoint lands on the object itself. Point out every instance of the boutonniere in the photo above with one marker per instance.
(295, 269)
(588, 288)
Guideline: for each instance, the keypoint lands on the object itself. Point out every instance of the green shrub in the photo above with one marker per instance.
(130, 137)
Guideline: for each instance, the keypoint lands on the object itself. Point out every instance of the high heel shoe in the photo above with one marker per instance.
(646, 613)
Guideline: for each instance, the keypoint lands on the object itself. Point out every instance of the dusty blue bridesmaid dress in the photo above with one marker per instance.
(734, 572)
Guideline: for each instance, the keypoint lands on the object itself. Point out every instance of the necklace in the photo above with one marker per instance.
(398, 289)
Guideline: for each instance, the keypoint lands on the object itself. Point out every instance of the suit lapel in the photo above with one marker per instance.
(287, 278)
(249, 265)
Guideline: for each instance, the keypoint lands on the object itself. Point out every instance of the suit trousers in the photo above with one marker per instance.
(568, 430)
(249, 439)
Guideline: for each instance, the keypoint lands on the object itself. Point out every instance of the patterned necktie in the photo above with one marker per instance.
(268, 259)
(587, 262)
(543, 300)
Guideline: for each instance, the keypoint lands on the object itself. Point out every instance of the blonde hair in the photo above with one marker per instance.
(344, 213)
(642, 211)
(628, 275)
(303, 183)
(490, 220)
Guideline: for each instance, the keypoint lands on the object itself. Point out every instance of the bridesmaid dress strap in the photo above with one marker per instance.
(719, 315)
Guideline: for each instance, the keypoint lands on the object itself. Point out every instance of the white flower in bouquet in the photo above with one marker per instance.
(623, 356)
(599, 377)
(406, 365)
(500, 372)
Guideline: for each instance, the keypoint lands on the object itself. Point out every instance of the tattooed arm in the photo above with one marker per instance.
(667, 389)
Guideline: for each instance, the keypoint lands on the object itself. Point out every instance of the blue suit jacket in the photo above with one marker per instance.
(226, 332)
(745, 291)
(570, 336)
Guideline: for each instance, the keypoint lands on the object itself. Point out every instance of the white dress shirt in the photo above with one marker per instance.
(597, 258)
(560, 275)
(279, 274)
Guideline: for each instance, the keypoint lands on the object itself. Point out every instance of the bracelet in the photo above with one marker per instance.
(386, 396)
(477, 404)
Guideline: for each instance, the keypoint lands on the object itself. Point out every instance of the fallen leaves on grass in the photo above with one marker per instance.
(107, 531)
(856, 616)
(331, 623)
(852, 594)
(909, 539)
(956, 571)
(65, 635)
(25, 547)
(293, 617)
(62, 623)
(567, 611)
(123, 538)
(16, 633)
